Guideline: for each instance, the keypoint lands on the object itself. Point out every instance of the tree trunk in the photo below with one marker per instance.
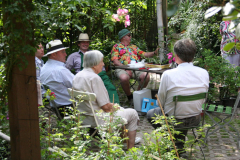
(22, 94)
(160, 30)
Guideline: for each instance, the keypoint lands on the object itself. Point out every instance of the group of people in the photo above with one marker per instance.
(90, 76)
(87, 64)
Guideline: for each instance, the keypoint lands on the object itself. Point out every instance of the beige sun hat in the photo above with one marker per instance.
(83, 37)
(54, 46)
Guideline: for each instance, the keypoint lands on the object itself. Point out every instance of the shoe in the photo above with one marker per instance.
(137, 140)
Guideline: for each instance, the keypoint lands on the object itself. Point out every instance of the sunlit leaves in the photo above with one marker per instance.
(238, 31)
(229, 46)
(228, 9)
(231, 16)
(238, 46)
(212, 11)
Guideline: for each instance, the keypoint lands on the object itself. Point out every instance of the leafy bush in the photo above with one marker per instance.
(189, 21)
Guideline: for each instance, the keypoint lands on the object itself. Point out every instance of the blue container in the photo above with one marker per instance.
(148, 104)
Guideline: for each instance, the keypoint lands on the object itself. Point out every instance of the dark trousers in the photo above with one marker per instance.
(185, 123)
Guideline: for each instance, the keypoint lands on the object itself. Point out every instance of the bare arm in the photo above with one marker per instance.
(150, 54)
(117, 63)
(107, 107)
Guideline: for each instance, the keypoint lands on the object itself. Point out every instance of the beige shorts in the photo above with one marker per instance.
(129, 114)
(118, 73)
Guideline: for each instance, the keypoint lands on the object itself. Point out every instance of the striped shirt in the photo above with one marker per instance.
(227, 36)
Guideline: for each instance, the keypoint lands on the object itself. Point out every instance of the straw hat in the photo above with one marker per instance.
(83, 37)
(54, 46)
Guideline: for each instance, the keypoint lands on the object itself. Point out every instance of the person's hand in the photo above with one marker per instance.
(116, 107)
(156, 51)
(107, 107)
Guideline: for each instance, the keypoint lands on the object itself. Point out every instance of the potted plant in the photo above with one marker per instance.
(230, 82)
(224, 78)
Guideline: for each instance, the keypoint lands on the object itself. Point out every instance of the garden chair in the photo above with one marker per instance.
(86, 96)
(224, 116)
(180, 98)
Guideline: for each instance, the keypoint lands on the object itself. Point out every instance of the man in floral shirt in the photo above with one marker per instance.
(122, 54)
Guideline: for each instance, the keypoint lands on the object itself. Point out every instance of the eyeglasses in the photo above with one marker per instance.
(129, 35)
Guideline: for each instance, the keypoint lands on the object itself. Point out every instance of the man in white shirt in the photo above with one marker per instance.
(56, 76)
(186, 79)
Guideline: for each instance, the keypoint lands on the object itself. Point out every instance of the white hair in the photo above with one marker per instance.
(92, 58)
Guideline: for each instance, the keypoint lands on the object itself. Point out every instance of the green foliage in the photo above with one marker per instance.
(25, 25)
(221, 73)
(230, 12)
(4, 122)
(189, 21)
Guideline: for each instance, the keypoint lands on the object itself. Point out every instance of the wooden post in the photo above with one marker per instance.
(23, 113)
(22, 95)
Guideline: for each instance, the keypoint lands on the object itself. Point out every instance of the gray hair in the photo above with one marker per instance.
(92, 58)
(185, 49)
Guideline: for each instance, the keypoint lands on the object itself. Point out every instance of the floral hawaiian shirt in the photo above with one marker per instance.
(126, 53)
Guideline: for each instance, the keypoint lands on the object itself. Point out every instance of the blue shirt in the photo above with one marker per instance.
(58, 78)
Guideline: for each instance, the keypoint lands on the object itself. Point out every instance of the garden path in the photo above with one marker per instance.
(221, 146)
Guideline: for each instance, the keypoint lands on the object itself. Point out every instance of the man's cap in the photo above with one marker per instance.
(123, 33)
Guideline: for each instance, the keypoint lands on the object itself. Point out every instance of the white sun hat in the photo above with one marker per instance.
(54, 46)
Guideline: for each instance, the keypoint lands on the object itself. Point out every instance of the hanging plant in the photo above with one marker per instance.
(122, 16)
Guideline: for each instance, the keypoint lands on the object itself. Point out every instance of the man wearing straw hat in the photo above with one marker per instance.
(186, 79)
(75, 62)
(56, 76)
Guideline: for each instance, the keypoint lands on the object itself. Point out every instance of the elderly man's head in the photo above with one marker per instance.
(124, 35)
(93, 59)
(40, 51)
(83, 42)
(56, 51)
(185, 49)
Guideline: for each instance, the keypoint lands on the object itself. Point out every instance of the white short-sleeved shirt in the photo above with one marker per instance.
(87, 80)
(186, 79)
